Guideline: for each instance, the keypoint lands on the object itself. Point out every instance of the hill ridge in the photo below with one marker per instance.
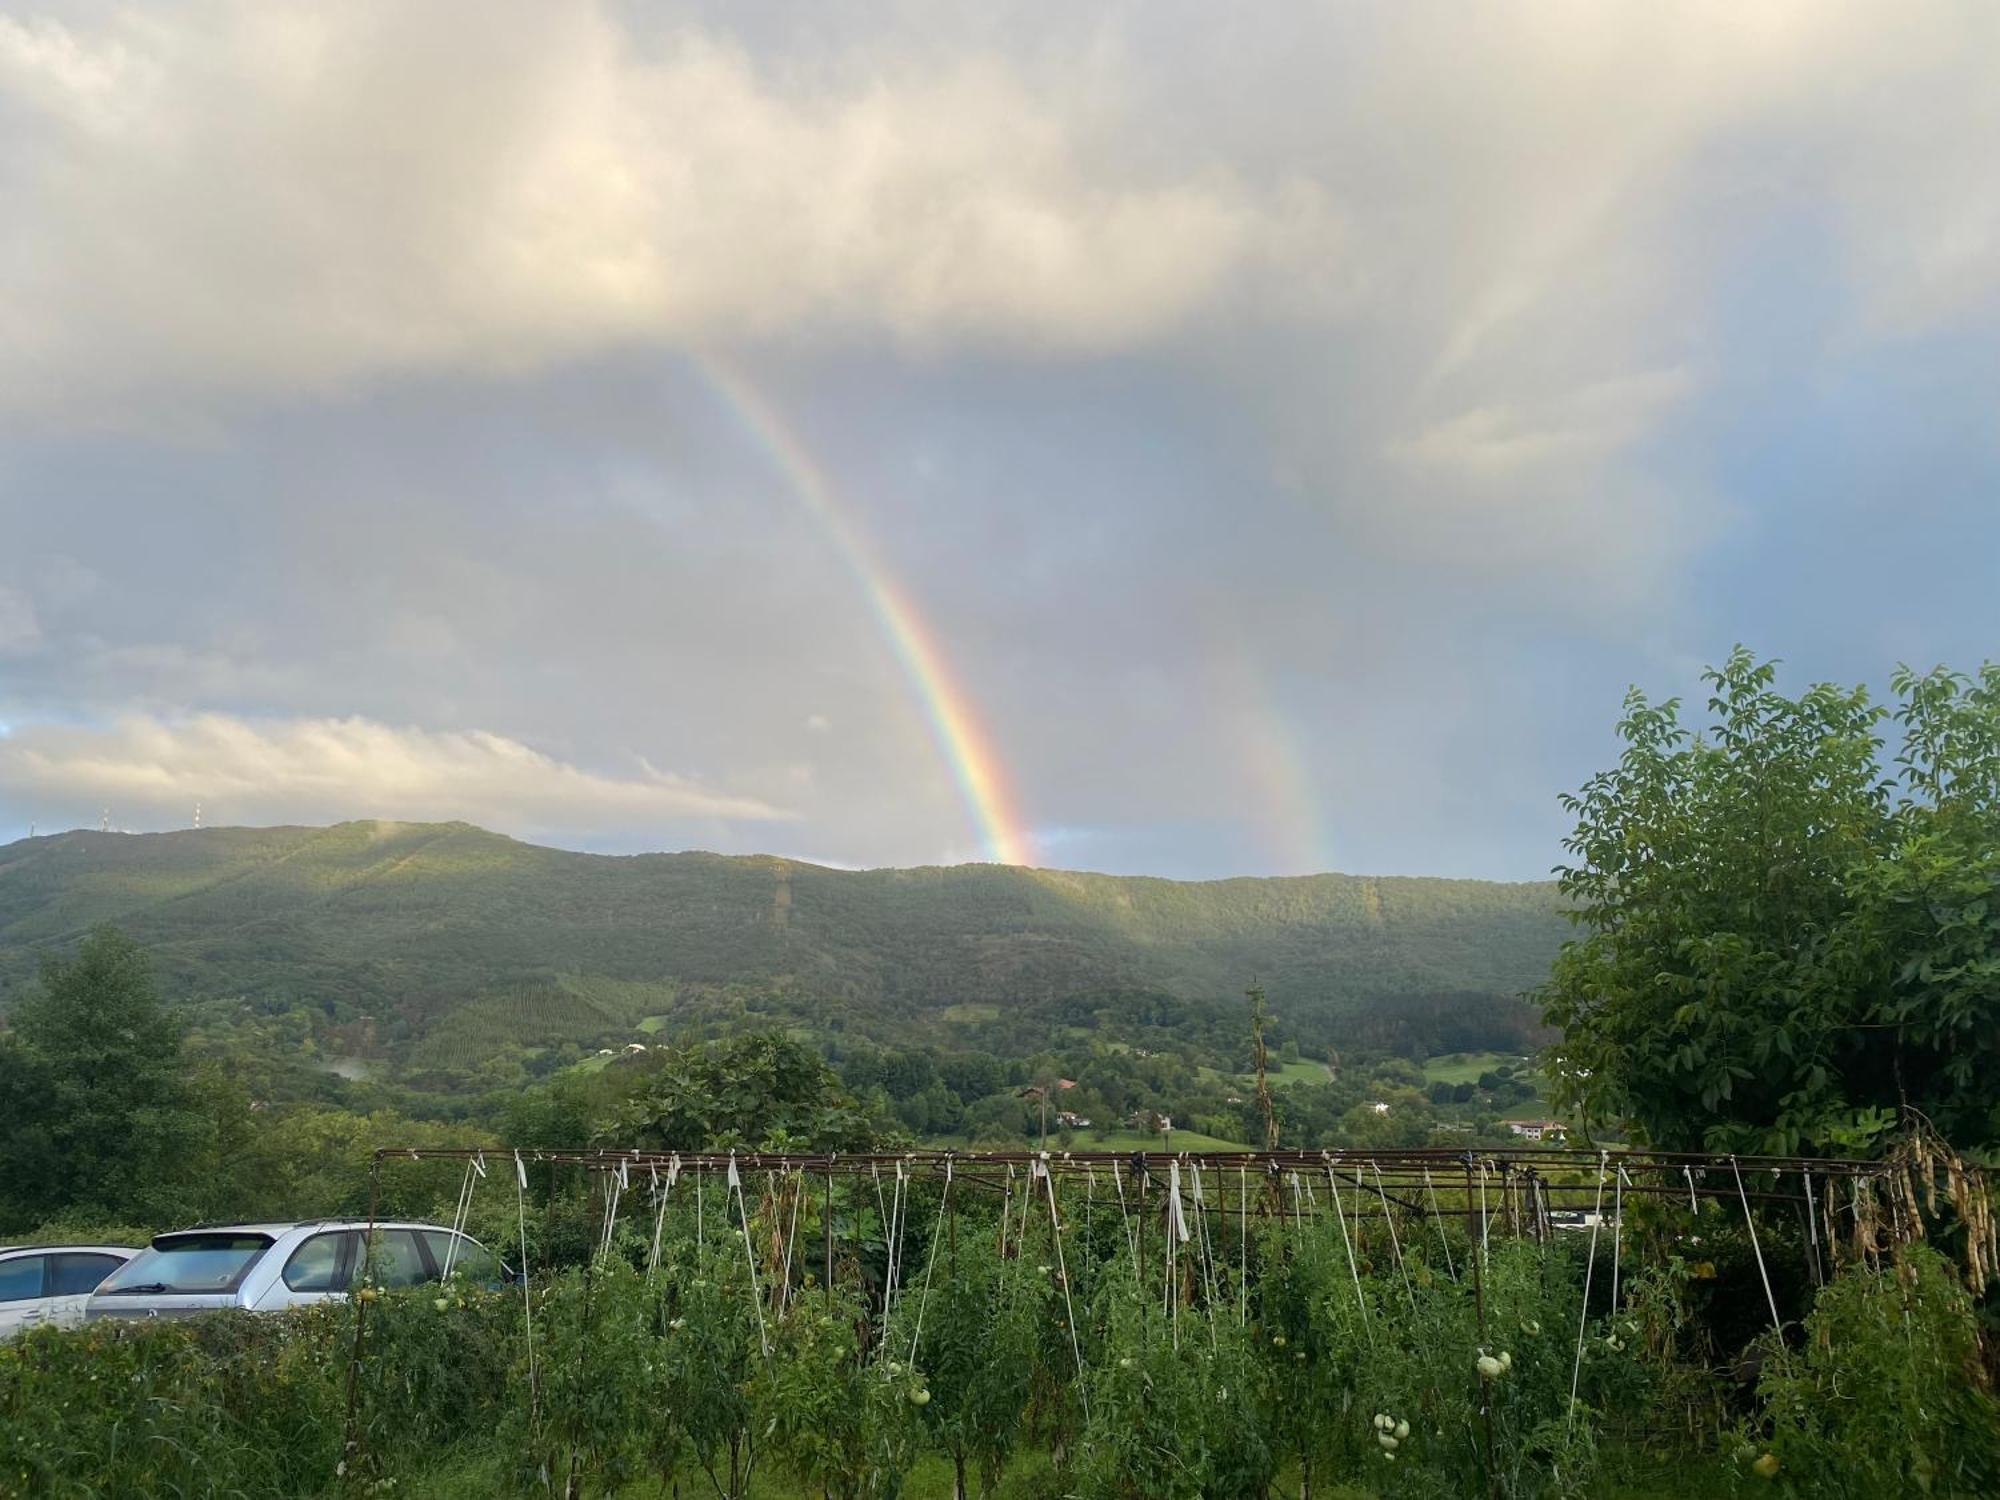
(412, 922)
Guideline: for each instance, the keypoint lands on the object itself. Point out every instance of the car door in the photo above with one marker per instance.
(72, 1276)
(21, 1292)
(470, 1261)
(398, 1260)
(319, 1266)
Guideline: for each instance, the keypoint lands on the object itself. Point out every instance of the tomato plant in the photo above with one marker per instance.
(1172, 1417)
(838, 1421)
(1886, 1397)
(975, 1336)
(710, 1352)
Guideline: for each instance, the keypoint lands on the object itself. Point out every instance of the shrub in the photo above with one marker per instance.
(211, 1406)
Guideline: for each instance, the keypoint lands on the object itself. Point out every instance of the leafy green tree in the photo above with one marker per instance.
(972, 1075)
(101, 1120)
(1000, 1119)
(761, 1091)
(312, 1160)
(1788, 943)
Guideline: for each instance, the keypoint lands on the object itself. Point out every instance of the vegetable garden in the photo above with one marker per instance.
(1407, 1324)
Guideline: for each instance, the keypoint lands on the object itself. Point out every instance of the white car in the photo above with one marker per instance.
(49, 1284)
(269, 1267)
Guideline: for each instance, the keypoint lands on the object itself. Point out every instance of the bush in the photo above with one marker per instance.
(211, 1406)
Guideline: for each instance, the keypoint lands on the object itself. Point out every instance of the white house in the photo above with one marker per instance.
(1538, 1130)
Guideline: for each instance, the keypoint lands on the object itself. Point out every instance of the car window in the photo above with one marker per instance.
(188, 1263)
(21, 1278)
(472, 1261)
(319, 1264)
(75, 1273)
(397, 1261)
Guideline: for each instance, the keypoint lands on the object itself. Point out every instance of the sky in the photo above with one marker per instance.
(1138, 437)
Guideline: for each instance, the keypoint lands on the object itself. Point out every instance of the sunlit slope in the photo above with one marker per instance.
(421, 917)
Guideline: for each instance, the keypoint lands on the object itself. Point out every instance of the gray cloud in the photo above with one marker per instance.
(252, 193)
(20, 630)
(1292, 441)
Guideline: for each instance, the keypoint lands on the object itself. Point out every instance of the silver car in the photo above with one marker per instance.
(49, 1284)
(269, 1267)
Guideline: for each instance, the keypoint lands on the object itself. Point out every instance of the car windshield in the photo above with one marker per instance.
(191, 1263)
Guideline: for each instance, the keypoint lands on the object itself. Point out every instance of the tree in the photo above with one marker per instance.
(907, 1074)
(101, 1120)
(972, 1075)
(933, 1110)
(1789, 943)
(762, 1091)
(999, 1119)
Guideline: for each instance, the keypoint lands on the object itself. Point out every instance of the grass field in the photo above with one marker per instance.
(1463, 1067)
(1283, 1074)
(968, 1013)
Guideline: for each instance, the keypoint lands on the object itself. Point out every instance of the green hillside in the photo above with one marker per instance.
(449, 938)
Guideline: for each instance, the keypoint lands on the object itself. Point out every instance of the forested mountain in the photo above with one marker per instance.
(440, 939)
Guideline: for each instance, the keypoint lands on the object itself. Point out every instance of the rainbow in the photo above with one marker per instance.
(1276, 761)
(1294, 822)
(955, 726)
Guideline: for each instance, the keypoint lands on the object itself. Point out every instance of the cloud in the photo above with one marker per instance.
(238, 196)
(310, 770)
(1569, 219)
(20, 631)
(1580, 425)
(1443, 369)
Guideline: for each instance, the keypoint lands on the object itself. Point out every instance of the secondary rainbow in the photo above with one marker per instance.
(953, 721)
(1274, 759)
